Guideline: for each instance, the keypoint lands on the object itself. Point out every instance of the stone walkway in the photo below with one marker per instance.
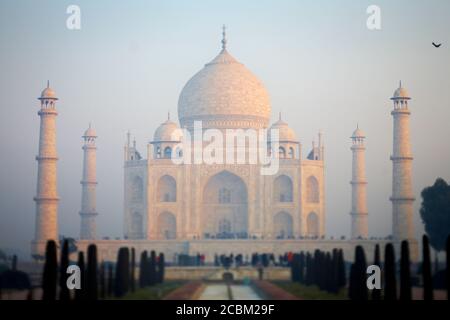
(220, 292)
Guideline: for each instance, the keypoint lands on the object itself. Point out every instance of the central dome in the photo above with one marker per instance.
(224, 94)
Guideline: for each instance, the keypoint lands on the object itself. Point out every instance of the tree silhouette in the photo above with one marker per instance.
(448, 267)
(64, 293)
(390, 284)
(102, 281)
(80, 294)
(152, 268)
(358, 286)
(405, 273)
(91, 276)
(426, 269)
(132, 272)
(435, 213)
(50, 274)
(376, 293)
(122, 279)
(342, 279)
(161, 267)
(143, 270)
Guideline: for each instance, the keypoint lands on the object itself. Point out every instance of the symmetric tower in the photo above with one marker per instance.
(46, 196)
(88, 183)
(359, 183)
(402, 193)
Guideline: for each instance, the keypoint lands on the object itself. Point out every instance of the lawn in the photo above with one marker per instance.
(155, 292)
(310, 292)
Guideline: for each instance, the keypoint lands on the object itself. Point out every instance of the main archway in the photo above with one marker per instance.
(225, 205)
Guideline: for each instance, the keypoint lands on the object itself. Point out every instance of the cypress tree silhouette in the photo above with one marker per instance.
(316, 268)
(358, 276)
(91, 273)
(50, 275)
(102, 281)
(80, 294)
(122, 279)
(308, 276)
(426, 269)
(390, 283)
(405, 273)
(301, 266)
(334, 272)
(320, 274)
(143, 270)
(342, 279)
(447, 249)
(376, 293)
(133, 268)
(161, 267)
(64, 293)
(352, 282)
(294, 267)
(152, 269)
(110, 289)
(327, 268)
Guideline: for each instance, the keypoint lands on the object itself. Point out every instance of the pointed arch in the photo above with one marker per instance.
(282, 189)
(167, 189)
(312, 190)
(312, 225)
(225, 206)
(167, 225)
(291, 153)
(137, 189)
(282, 225)
(137, 223)
(281, 152)
(167, 153)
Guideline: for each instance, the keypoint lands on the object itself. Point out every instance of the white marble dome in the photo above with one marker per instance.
(167, 131)
(224, 94)
(285, 133)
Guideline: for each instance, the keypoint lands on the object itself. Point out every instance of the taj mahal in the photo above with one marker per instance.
(223, 208)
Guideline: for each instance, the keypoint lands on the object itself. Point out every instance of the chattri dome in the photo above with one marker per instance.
(167, 131)
(224, 94)
(285, 133)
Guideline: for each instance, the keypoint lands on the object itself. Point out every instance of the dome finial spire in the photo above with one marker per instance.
(279, 115)
(224, 38)
(400, 85)
(48, 83)
(168, 115)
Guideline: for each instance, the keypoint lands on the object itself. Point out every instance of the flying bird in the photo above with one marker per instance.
(437, 45)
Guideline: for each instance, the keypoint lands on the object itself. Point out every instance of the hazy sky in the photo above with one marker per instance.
(127, 65)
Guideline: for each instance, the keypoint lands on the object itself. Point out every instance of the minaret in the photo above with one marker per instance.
(47, 195)
(88, 183)
(402, 193)
(359, 184)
